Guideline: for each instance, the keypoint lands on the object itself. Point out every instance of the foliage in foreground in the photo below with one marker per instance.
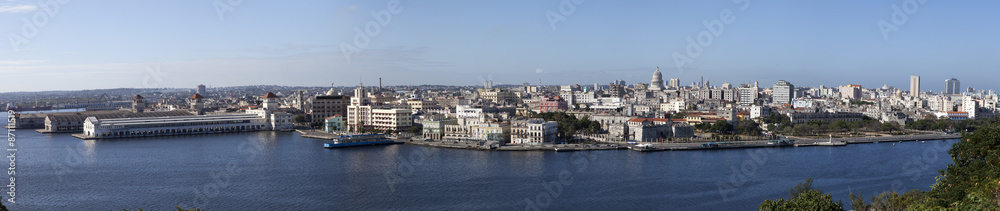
(971, 182)
(803, 197)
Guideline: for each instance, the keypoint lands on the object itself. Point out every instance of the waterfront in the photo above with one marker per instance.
(281, 170)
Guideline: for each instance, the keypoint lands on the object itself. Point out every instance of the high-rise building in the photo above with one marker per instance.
(951, 86)
(915, 85)
(657, 83)
(970, 106)
(201, 89)
(783, 92)
(748, 94)
(675, 83)
(851, 91)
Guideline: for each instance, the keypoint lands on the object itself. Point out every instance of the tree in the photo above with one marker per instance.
(569, 125)
(973, 179)
(888, 126)
(300, 119)
(722, 126)
(748, 127)
(804, 129)
(803, 197)
(2, 207)
(703, 127)
(416, 129)
(889, 201)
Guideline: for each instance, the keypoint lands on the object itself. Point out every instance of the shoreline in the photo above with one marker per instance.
(655, 147)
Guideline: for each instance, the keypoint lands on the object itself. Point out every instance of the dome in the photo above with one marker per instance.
(331, 92)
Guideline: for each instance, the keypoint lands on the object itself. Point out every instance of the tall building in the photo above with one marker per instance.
(324, 106)
(747, 94)
(915, 85)
(362, 114)
(201, 89)
(138, 104)
(675, 83)
(969, 105)
(951, 86)
(851, 91)
(196, 101)
(783, 92)
(657, 83)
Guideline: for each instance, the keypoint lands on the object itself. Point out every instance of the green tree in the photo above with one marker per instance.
(803, 197)
(416, 129)
(888, 201)
(300, 119)
(748, 127)
(888, 126)
(973, 178)
(722, 127)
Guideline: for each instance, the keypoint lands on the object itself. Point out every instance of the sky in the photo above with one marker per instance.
(100, 44)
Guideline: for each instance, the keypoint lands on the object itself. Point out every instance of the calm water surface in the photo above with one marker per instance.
(283, 171)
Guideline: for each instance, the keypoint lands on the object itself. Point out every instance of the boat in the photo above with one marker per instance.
(358, 140)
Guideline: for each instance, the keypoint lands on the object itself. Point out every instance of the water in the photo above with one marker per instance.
(280, 170)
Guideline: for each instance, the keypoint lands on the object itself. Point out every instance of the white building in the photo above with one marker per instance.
(783, 93)
(969, 105)
(266, 118)
(657, 83)
(759, 111)
(361, 114)
(176, 125)
(391, 119)
(747, 94)
(533, 132)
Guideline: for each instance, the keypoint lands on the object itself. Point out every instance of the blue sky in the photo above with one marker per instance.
(144, 44)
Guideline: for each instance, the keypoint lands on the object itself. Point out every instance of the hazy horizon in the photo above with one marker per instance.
(111, 44)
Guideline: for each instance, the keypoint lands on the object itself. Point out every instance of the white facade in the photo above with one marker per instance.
(391, 119)
(783, 92)
(657, 83)
(533, 132)
(970, 106)
(176, 125)
(758, 111)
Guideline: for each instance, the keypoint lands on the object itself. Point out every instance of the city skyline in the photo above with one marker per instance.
(150, 45)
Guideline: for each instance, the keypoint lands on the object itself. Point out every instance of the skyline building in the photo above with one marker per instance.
(782, 92)
(675, 83)
(915, 85)
(748, 94)
(952, 86)
(657, 83)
